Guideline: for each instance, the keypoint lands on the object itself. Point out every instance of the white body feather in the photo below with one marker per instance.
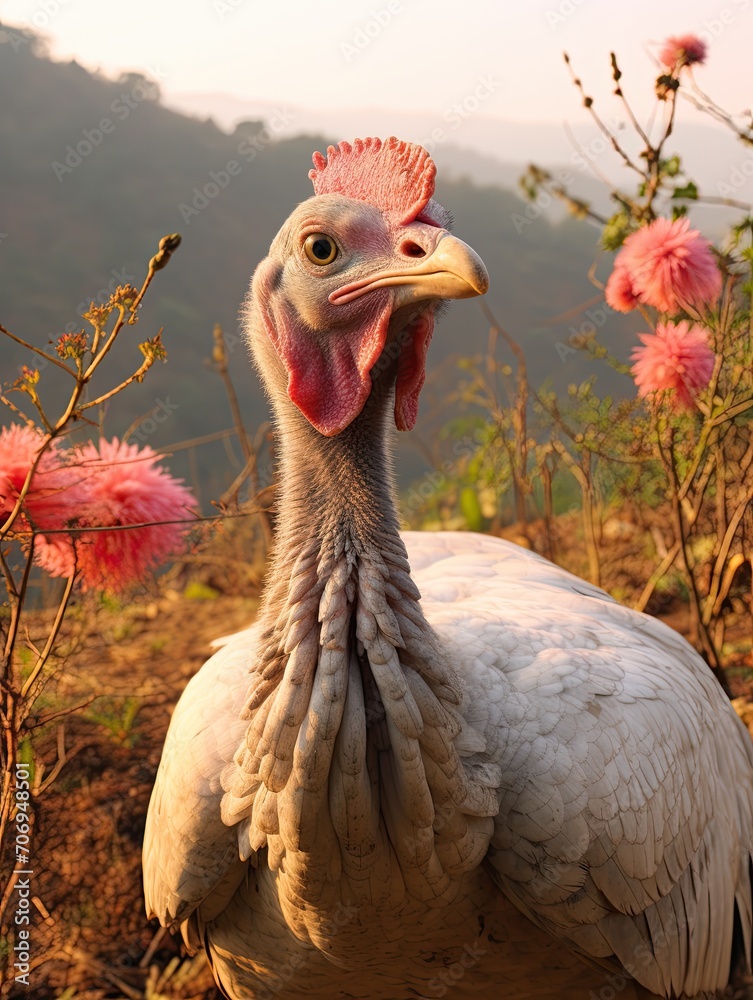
(622, 818)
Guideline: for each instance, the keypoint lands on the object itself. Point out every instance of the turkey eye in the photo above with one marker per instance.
(320, 248)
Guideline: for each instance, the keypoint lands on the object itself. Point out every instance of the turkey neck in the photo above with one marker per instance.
(350, 687)
(342, 635)
(337, 527)
(338, 492)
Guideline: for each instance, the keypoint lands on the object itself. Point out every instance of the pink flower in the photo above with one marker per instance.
(123, 486)
(682, 50)
(55, 554)
(113, 484)
(676, 357)
(670, 266)
(55, 492)
(619, 291)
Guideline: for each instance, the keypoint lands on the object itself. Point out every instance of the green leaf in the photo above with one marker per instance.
(616, 230)
(671, 167)
(743, 227)
(197, 591)
(471, 509)
(689, 192)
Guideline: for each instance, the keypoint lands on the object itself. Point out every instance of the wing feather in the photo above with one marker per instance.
(626, 804)
(189, 853)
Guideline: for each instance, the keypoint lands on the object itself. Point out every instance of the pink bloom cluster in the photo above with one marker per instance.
(110, 485)
(54, 491)
(667, 265)
(682, 50)
(677, 357)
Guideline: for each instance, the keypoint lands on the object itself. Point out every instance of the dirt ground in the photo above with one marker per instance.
(90, 938)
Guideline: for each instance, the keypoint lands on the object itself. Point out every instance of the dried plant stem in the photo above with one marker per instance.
(588, 104)
(583, 474)
(17, 698)
(721, 559)
(250, 471)
(52, 636)
(699, 628)
(519, 454)
(617, 76)
(15, 409)
(136, 377)
(659, 572)
(39, 351)
(704, 103)
(82, 379)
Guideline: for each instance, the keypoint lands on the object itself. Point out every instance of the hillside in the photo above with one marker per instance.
(95, 171)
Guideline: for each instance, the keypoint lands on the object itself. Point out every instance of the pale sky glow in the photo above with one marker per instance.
(425, 56)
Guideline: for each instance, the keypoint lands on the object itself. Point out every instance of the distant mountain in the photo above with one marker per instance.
(489, 150)
(94, 171)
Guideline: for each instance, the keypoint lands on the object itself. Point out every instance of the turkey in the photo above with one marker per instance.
(437, 765)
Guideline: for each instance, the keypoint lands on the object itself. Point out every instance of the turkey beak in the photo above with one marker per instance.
(452, 271)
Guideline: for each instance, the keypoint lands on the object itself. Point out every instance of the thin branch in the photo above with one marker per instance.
(64, 757)
(42, 659)
(737, 560)
(703, 102)
(591, 163)
(219, 356)
(589, 105)
(167, 247)
(617, 76)
(575, 205)
(20, 413)
(137, 376)
(658, 573)
(711, 199)
(39, 351)
(15, 618)
(43, 720)
(732, 412)
(721, 558)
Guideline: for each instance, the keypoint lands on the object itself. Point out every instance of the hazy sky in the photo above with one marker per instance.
(426, 55)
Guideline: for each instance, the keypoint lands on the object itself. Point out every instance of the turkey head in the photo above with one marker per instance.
(349, 289)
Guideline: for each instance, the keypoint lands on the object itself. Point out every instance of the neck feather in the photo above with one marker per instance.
(340, 581)
(353, 706)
